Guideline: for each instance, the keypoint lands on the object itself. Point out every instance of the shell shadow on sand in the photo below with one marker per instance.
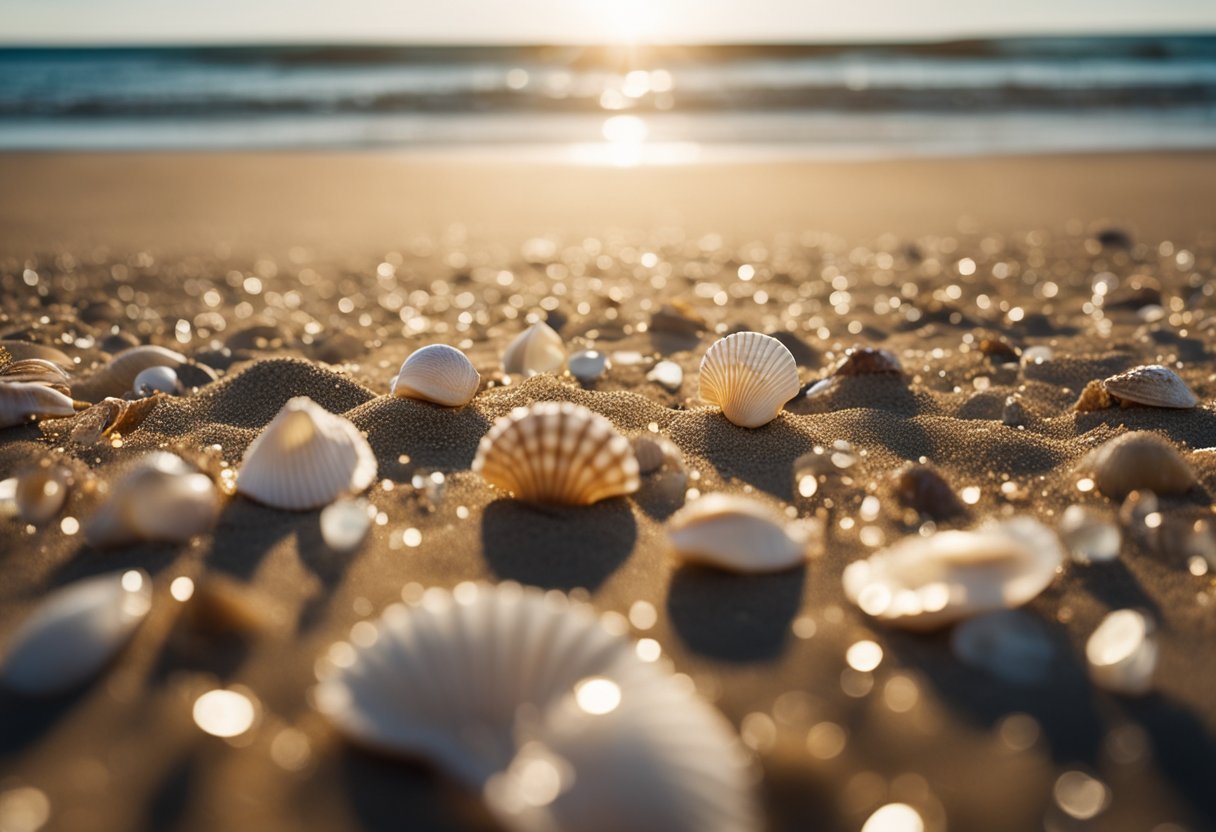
(762, 457)
(432, 436)
(734, 618)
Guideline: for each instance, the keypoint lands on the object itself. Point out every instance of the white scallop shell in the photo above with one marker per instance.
(921, 583)
(117, 376)
(750, 376)
(736, 533)
(557, 453)
(1151, 385)
(538, 349)
(481, 680)
(75, 631)
(22, 400)
(437, 373)
(160, 499)
(156, 379)
(306, 458)
(1122, 653)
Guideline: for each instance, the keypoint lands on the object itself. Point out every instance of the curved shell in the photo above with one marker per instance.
(735, 533)
(38, 371)
(587, 365)
(557, 453)
(1151, 385)
(1139, 461)
(75, 632)
(487, 681)
(538, 349)
(653, 452)
(437, 373)
(20, 350)
(111, 416)
(41, 492)
(922, 583)
(750, 376)
(1122, 653)
(306, 458)
(158, 379)
(160, 499)
(22, 400)
(117, 376)
(922, 489)
(868, 361)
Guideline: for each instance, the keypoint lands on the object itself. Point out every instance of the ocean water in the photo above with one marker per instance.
(616, 105)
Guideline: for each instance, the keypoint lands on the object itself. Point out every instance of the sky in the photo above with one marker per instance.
(581, 21)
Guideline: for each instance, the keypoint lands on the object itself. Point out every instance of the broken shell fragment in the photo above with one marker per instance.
(1139, 461)
(437, 373)
(1122, 653)
(750, 376)
(538, 349)
(111, 416)
(21, 401)
(1151, 385)
(737, 534)
(557, 453)
(160, 499)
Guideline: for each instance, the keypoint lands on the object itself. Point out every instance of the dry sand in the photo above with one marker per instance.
(275, 264)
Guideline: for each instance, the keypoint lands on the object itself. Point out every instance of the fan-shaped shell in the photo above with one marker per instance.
(922, 583)
(1151, 385)
(1139, 461)
(557, 453)
(161, 498)
(75, 632)
(750, 376)
(482, 680)
(736, 533)
(306, 458)
(437, 373)
(117, 376)
(22, 400)
(538, 349)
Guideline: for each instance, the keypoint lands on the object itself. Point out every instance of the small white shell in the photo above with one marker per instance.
(75, 631)
(587, 365)
(306, 458)
(538, 349)
(922, 583)
(557, 453)
(156, 379)
(668, 375)
(1151, 385)
(118, 375)
(437, 373)
(750, 376)
(22, 400)
(736, 533)
(161, 499)
(1122, 653)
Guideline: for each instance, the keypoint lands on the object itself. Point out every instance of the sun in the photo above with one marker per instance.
(625, 21)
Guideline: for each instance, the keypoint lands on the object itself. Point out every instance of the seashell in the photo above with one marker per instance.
(557, 453)
(111, 416)
(922, 489)
(489, 682)
(868, 361)
(750, 376)
(1151, 385)
(36, 371)
(76, 631)
(156, 380)
(587, 365)
(678, 318)
(22, 400)
(1139, 461)
(20, 350)
(922, 583)
(160, 499)
(1089, 536)
(117, 376)
(999, 350)
(736, 533)
(1122, 653)
(538, 349)
(306, 458)
(41, 492)
(1013, 413)
(437, 373)
(652, 452)
(668, 375)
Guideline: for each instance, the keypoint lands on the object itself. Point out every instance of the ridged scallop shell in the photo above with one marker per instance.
(41, 492)
(21, 401)
(486, 681)
(922, 583)
(437, 373)
(306, 458)
(1151, 385)
(750, 376)
(538, 349)
(868, 361)
(1139, 461)
(160, 499)
(75, 632)
(736, 533)
(117, 376)
(1122, 653)
(557, 453)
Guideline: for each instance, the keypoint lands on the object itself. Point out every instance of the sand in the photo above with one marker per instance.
(275, 263)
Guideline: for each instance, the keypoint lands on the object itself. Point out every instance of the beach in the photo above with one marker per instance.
(316, 273)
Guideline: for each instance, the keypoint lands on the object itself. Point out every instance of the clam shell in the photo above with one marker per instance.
(437, 373)
(1151, 385)
(868, 361)
(22, 400)
(485, 682)
(41, 492)
(750, 376)
(1122, 653)
(922, 583)
(737, 534)
(37, 371)
(557, 453)
(1139, 461)
(538, 349)
(75, 632)
(160, 499)
(156, 380)
(117, 376)
(306, 458)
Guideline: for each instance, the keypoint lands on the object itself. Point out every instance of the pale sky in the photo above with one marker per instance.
(581, 21)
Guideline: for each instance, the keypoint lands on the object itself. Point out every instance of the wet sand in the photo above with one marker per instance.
(317, 274)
